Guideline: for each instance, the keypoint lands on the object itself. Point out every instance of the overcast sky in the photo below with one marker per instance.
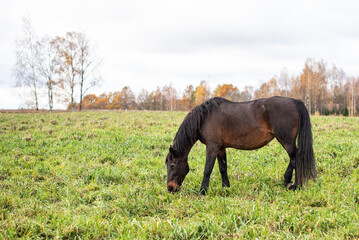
(146, 44)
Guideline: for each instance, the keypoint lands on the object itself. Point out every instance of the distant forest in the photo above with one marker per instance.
(324, 90)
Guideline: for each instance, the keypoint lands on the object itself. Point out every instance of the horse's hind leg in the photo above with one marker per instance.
(288, 142)
(222, 163)
(291, 150)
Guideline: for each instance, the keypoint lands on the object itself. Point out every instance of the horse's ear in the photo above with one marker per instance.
(172, 151)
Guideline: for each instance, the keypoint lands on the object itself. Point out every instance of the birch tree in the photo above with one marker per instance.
(88, 64)
(285, 81)
(46, 63)
(25, 70)
(170, 95)
(68, 68)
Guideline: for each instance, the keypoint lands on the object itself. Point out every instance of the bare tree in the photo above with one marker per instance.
(170, 94)
(88, 64)
(352, 83)
(143, 100)
(284, 81)
(307, 74)
(337, 77)
(25, 66)
(247, 93)
(45, 64)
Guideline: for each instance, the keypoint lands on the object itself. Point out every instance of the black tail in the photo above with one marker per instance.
(305, 161)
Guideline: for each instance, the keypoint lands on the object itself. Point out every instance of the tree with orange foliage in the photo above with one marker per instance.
(189, 98)
(202, 93)
(103, 102)
(124, 99)
(267, 89)
(227, 91)
(89, 101)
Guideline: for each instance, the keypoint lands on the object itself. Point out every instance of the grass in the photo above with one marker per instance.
(101, 175)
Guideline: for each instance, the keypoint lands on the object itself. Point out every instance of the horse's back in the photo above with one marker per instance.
(251, 125)
(237, 125)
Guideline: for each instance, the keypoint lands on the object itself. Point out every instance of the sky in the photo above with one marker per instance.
(146, 44)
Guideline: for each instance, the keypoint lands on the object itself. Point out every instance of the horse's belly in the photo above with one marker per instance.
(250, 141)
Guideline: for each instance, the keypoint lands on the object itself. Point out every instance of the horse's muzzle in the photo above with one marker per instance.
(173, 188)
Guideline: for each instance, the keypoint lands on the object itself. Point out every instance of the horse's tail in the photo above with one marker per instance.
(305, 161)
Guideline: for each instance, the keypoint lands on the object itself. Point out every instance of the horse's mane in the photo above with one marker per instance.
(187, 133)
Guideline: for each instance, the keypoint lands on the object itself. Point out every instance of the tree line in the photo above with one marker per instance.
(324, 89)
(60, 64)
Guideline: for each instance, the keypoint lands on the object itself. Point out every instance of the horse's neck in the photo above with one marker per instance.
(183, 143)
(184, 149)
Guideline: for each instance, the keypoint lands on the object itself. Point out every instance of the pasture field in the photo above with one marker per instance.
(101, 175)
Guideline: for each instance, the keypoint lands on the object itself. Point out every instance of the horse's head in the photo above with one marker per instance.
(177, 169)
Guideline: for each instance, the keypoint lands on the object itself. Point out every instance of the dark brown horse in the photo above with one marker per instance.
(220, 123)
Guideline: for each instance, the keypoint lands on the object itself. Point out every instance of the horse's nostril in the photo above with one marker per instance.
(170, 188)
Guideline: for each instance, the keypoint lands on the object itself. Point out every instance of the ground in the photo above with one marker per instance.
(96, 175)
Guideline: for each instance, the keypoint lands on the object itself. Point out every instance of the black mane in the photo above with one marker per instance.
(187, 134)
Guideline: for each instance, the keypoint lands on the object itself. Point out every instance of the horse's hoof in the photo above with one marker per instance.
(289, 185)
(202, 192)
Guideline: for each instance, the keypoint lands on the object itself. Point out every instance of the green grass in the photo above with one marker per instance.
(98, 175)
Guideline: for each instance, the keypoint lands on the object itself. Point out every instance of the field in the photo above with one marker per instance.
(101, 175)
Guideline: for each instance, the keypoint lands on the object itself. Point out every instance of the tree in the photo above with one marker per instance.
(336, 78)
(351, 89)
(156, 100)
(313, 85)
(87, 64)
(320, 93)
(247, 93)
(124, 99)
(46, 64)
(284, 81)
(89, 101)
(68, 68)
(170, 94)
(227, 91)
(267, 89)
(202, 93)
(102, 102)
(25, 70)
(189, 98)
(143, 100)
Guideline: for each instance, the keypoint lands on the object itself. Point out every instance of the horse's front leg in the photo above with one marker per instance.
(211, 154)
(222, 163)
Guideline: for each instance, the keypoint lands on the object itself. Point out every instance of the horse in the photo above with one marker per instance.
(220, 123)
